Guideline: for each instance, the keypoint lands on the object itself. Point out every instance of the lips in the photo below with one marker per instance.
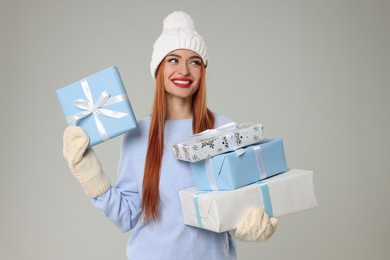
(182, 82)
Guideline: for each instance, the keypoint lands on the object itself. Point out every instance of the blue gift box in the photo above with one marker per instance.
(236, 169)
(99, 104)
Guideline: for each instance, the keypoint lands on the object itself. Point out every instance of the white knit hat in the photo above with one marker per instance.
(178, 33)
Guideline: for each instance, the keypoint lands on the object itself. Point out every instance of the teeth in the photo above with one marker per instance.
(181, 82)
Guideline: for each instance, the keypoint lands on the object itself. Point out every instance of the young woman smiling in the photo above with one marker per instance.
(182, 70)
(145, 198)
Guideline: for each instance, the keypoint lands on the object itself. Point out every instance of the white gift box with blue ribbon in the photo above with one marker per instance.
(221, 211)
(99, 104)
(232, 170)
(211, 142)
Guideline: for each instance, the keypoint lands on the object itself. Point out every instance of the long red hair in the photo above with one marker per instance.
(203, 119)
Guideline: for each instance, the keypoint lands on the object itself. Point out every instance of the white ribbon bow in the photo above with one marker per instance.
(96, 109)
(226, 130)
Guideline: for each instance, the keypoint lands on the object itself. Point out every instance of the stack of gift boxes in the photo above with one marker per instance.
(235, 168)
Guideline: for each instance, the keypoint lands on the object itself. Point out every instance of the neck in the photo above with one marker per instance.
(178, 108)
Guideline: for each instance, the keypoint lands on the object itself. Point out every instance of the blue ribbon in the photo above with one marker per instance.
(266, 198)
(196, 204)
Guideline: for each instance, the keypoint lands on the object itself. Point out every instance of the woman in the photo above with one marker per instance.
(145, 198)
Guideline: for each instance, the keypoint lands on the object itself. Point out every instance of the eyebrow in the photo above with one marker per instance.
(178, 56)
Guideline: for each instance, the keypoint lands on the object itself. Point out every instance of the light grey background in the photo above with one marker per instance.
(313, 72)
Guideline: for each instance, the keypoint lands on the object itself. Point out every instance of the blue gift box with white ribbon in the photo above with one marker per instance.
(232, 170)
(99, 104)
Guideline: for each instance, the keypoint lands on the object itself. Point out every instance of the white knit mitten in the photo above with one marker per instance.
(255, 226)
(83, 162)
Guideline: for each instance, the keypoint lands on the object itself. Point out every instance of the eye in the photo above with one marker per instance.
(173, 60)
(196, 62)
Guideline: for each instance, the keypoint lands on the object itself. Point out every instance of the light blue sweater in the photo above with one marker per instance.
(168, 238)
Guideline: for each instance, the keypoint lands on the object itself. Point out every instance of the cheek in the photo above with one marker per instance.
(196, 73)
(168, 70)
(167, 75)
(196, 87)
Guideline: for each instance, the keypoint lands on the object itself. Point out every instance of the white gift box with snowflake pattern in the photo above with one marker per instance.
(209, 143)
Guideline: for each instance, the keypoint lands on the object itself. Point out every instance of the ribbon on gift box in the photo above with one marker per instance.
(259, 160)
(210, 174)
(265, 197)
(196, 204)
(225, 130)
(96, 109)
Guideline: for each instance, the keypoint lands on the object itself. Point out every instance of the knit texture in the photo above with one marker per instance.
(168, 237)
(255, 226)
(178, 33)
(83, 162)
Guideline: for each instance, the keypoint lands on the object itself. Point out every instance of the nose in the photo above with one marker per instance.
(183, 69)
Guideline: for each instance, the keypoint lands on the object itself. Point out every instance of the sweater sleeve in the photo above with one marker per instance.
(122, 203)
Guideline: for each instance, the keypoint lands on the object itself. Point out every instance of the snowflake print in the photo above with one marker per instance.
(238, 138)
(225, 142)
(195, 147)
(256, 138)
(186, 153)
(176, 151)
(195, 158)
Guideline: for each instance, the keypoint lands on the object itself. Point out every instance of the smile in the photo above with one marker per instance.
(182, 82)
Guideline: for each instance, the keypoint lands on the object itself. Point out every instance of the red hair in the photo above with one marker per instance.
(203, 119)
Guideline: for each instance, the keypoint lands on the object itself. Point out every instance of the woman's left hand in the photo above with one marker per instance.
(255, 226)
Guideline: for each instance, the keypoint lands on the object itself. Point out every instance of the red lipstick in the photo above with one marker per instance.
(182, 82)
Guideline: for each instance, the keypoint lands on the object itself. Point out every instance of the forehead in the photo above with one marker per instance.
(185, 53)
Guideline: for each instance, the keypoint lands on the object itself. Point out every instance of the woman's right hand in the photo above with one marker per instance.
(83, 162)
(255, 226)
